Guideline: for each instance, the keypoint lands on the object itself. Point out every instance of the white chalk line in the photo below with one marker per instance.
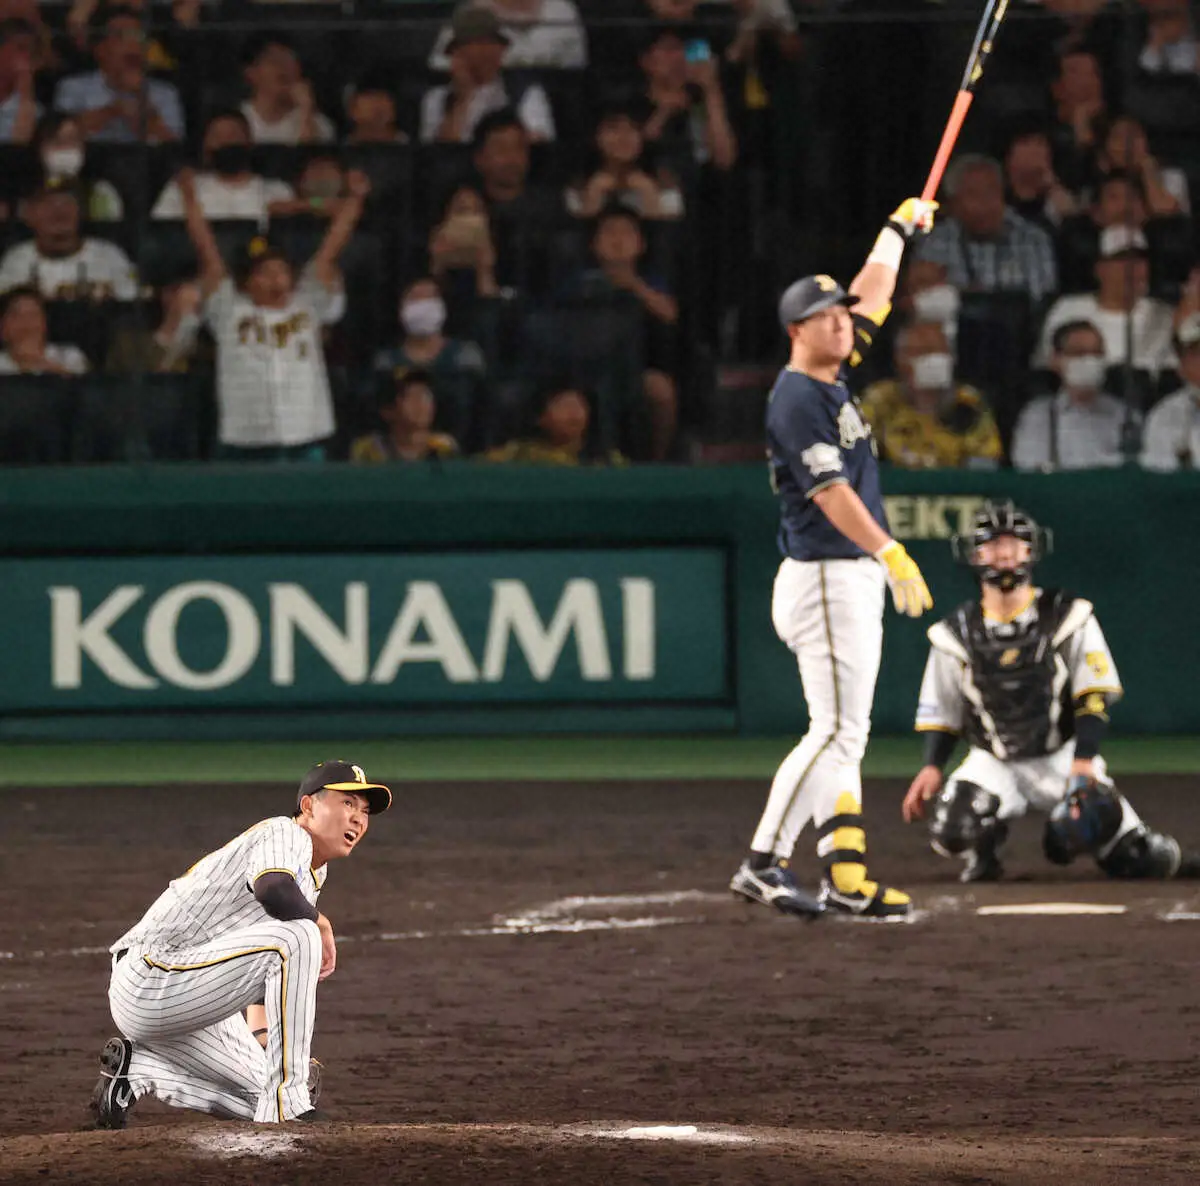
(562, 916)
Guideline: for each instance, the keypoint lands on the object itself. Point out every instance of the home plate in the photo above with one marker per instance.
(1052, 908)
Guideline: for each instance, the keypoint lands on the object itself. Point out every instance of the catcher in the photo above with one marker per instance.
(1026, 676)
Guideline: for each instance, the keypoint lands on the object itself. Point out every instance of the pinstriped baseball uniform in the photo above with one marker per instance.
(204, 951)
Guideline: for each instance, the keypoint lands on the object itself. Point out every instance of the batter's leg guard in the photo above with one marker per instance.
(842, 847)
(966, 823)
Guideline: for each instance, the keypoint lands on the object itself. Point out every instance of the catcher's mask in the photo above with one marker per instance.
(998, 517)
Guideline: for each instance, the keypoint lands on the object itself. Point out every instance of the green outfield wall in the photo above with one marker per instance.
(336, 601)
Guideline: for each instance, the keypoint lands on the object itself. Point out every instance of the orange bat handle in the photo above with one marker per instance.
(962, 103)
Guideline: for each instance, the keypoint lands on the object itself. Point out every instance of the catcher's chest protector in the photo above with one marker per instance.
(1019, 689)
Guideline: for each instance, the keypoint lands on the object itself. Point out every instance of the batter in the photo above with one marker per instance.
(827, 604)
(239, 927)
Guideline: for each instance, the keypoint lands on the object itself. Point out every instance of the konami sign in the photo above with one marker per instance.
(423, 630)
(384, 630)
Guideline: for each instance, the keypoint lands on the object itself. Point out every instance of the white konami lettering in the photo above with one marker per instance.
(423, 631)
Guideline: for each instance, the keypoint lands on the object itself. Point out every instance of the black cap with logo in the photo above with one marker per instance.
(809, 295)
(344, 776)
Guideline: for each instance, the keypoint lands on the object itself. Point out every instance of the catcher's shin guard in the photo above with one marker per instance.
(842, 847)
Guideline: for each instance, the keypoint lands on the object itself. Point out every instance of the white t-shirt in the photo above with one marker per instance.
(1152, 348)
(286, 130)
(98, 270)
(219, 199)
(1054, 433)
(272, 386)
(533, 110)
(1172, 432)
(215, 896)
(70, 358)
(554, 40)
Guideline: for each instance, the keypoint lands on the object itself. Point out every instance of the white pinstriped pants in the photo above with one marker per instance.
(192, 1047)
(830, 614)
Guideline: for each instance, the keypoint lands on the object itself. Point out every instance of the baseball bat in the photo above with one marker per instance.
(985, 38)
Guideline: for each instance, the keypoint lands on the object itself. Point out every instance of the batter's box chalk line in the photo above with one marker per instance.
(689, 1133)
(226, 1146)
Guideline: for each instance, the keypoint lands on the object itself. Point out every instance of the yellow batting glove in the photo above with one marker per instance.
(913, 217)
(909, 591)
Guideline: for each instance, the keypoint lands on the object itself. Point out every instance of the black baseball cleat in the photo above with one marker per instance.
(775, 886)
(870, 900)
(312, 1116)
(113, 1096)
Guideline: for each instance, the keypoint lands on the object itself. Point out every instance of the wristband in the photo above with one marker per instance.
(888, 249)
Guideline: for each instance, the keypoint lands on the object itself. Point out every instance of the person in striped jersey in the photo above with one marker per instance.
(240, 927)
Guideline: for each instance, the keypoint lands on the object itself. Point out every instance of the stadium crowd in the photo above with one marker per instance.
(553, 231)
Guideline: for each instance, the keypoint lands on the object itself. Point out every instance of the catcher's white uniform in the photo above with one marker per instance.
(1020, 735)
(204, 951)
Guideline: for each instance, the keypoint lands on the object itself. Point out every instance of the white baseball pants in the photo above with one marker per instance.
(192, 1047)
(1039, 783)
(830, 614)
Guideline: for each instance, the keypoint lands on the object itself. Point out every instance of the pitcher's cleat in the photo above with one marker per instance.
(113, 1095)
(775, 886)
(869, 900)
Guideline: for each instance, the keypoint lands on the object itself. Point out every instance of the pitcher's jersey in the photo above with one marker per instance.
(216, 895)
(1011, 687)
(817, 437)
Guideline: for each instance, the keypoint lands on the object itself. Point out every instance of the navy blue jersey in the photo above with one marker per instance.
(817, 437)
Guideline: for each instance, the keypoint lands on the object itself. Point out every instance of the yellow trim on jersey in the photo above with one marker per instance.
(1015, 614)
(282, 996)
(290, 872)
(1104, 692)
(936, 729)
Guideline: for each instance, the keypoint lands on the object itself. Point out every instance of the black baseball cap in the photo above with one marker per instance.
(809, 295)
(344, 776)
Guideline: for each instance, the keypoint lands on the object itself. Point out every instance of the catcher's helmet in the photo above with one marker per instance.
(995, 518)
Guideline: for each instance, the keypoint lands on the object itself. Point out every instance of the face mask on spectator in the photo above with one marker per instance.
(932, 372)
(231, 159)
(63, 162)
(324, 188)
(1086, 371)
(423, 318)
(939, 303)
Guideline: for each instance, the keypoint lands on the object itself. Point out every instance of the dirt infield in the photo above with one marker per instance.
(526, 973)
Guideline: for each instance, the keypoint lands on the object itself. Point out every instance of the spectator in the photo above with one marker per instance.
(1124, 150)
(454, 368)
(1119, 309)
(925, 295)
(167, 348)
(618, 245)
(408, 435)
(621, 173)
(371, 110)
(29, 12)
(162, 49)
(501, 159)
(923, 419)
(227, 187)
(1172, 437)
(282, 108)
(561, 433)
(451, 112)
(321, 188)
(1079, 105)
(1080, 426)
(273, 393)
(62, 153)
(983, 245)
(109, 100)
(19, 108)
(688, 112)
(542, 35)
(1171, 46)
(60, 262)
(1033, 190)
(761, 18)
(23, 332)
(461, 248)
